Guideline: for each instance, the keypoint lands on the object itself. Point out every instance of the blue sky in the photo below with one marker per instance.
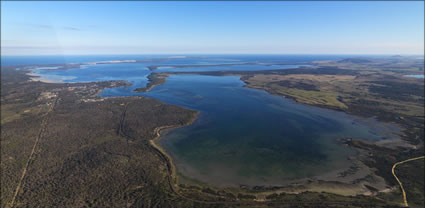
(60, 28)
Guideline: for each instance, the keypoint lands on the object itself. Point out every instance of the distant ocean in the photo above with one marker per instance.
(28, 60)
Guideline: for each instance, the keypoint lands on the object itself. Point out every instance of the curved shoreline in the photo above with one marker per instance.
(217, 200)
(322, 183)
(165, 155)
(302, 185)
(173, 178)
(154, 79)
(172, 168)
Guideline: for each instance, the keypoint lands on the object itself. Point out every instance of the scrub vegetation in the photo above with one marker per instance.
(97, 152)
(154, 79)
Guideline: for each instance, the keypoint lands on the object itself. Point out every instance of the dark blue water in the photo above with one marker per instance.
(32, 60)
(247, 67)
(242, 136)
(168, 59)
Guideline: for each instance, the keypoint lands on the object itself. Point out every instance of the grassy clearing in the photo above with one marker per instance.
(8, 114)
(372, 90)
(311, 97)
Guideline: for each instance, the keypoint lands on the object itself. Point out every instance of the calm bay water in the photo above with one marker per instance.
(247, 136)
(242, 136)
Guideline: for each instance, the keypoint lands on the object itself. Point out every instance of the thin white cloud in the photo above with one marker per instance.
(44, 26)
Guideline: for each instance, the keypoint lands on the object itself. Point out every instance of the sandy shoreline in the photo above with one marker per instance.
(158, 147)
(35, 78)
(331, 182)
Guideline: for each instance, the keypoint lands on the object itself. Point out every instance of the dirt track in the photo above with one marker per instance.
(40, 135)
(398, 180)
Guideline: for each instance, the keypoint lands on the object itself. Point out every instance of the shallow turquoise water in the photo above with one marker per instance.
(242, 136)
(419, 76)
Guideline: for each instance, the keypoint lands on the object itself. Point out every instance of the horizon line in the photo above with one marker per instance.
(355, 54)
